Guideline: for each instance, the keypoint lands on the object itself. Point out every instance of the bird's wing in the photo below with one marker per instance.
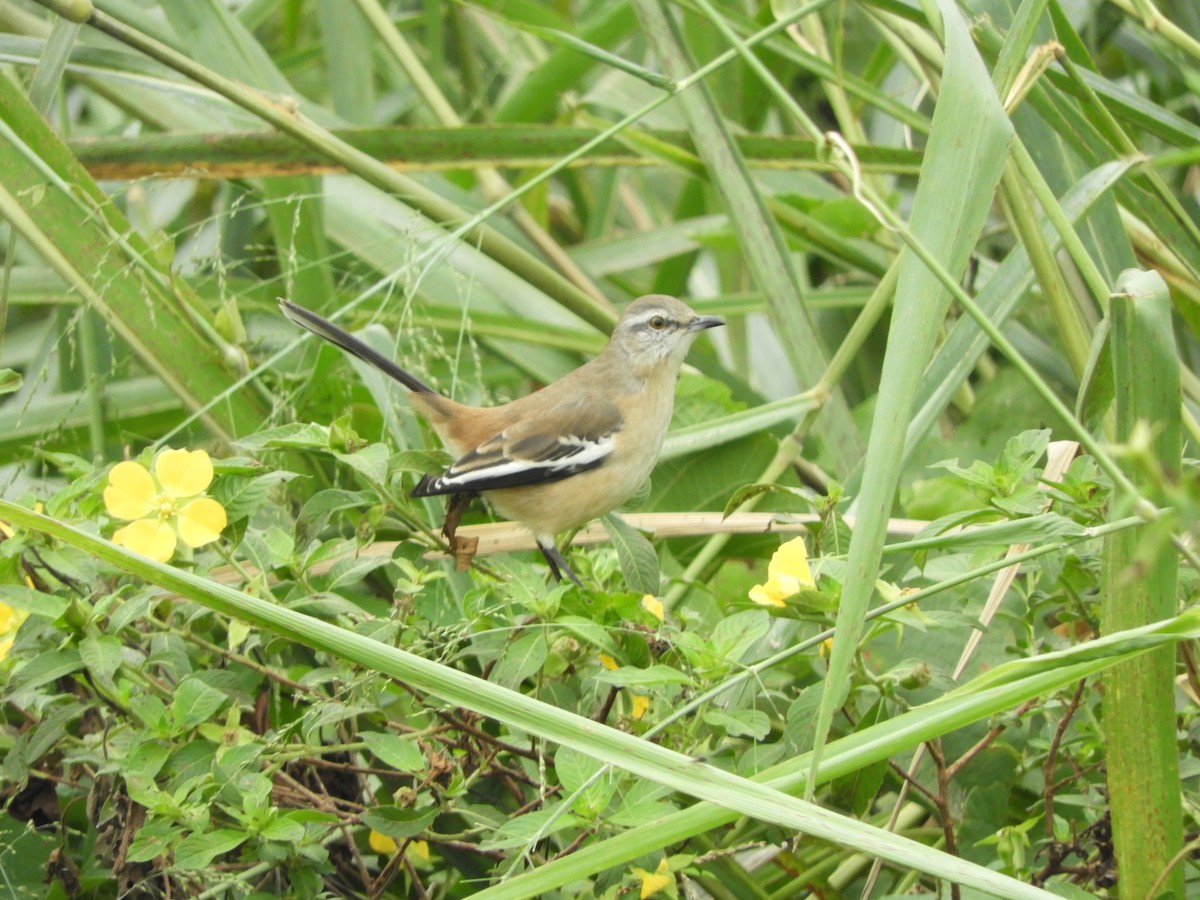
(559, 443)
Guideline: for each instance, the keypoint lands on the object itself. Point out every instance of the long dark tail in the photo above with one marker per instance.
(323, 328)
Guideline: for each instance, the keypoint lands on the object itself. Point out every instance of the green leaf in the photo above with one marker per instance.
(639, 562)
(1027, 530)
(32, 744)
(522, 659)
(596, 635)
(195, 702)
(640, 802)
(751, 723)
(859, 789)
(398, 823)
(241, 496)
(735, 635)
(845, 215)
(18, 596)
(102, 654)
(801, 718)
(371, 461)
(806, 498)
(628, 676)
(282, 828)
(529, 828)
(318, 508)
(147, 758)
(45, 668)
(403, 754)
(153, 839)
(575, 773)
(10, 381)
(280, 544)
(293, 436)
(574, 769)
(152, 712)
(352, 570)
(197, 851)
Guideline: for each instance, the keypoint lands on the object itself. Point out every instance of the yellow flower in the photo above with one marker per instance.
(653, 605)
(638, 704)
(381, 843)
(418, 852)
(165, 505)
(653, 882)
(608, 662)
(10, 621)
(787, 574)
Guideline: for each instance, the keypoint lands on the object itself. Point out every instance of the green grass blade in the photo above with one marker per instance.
(1139, 586)
(540, 91)
(295, 208)
(767, 256)
(48, 197)
(966, 344)
(963, 163)
(432, 204)
(351, 71)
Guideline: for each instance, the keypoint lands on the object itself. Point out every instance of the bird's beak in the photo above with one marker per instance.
(701, 322)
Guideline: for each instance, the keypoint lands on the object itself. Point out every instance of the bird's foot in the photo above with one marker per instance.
(557, 562)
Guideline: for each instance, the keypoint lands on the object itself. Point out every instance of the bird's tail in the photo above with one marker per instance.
(323, 328)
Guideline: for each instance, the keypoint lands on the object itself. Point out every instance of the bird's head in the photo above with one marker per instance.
(657, 328)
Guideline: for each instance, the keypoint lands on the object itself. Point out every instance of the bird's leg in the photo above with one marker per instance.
(462, 548)
(454, 511)
(558, 564)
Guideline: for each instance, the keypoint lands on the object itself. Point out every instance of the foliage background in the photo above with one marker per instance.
(478, 187)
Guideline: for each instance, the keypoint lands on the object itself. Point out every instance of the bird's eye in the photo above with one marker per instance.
(658, 323)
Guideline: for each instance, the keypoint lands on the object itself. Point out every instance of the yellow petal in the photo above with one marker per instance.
(10, 621)
(5, 530)
(381, 843)
(608, 662)
(653, 605)
(131, 492)
(149, 537)
(790, 562)
(638, 705)
(769, 594)
(653, 882)
(183, 473)
(201, 522)
(419, 850)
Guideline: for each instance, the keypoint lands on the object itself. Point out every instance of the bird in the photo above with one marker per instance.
(568, 453)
